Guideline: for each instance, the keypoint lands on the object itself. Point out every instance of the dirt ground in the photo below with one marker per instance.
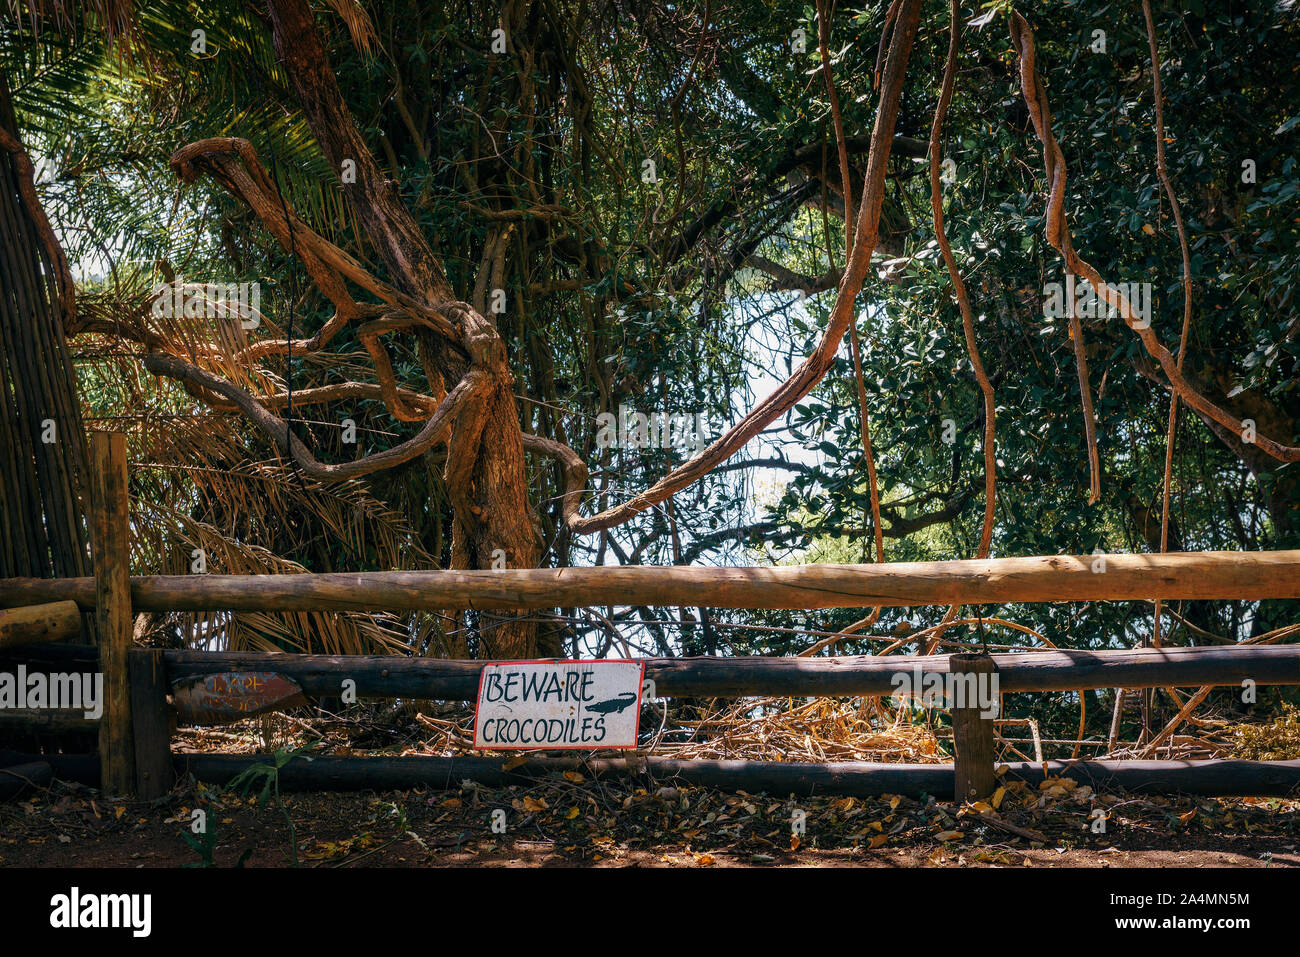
(574, 821)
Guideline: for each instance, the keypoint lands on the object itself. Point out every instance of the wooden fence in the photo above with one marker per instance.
(38, 616)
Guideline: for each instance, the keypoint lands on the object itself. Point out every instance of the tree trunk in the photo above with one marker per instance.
(485, 471)
(42, 453)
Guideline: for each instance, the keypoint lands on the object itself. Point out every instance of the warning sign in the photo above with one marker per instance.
(559, 704)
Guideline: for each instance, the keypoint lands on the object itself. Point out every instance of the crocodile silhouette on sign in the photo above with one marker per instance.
(619, 704)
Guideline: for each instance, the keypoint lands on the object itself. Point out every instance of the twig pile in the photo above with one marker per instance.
(759, 729)
(822, 729)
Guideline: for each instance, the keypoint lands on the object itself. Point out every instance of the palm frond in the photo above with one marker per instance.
(355, 18)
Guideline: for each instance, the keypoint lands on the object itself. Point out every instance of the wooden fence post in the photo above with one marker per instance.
(111, 540)
(972, 732)
(153, 756)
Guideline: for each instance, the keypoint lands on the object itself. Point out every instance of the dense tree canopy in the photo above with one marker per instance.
(641, 207)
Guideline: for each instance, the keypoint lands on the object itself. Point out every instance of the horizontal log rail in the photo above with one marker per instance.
(47, 720)
(135, 734)
(18, 779)
(389, 676)
(1176, 576)
(33, 624)
(1209, 778)
(1213, 777)
(61, 657)
(443, 679)
(1206, 576)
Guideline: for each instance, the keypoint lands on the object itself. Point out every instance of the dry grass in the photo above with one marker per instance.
(759, 729)
(1278, 740)
(763, 729)
(822, 729)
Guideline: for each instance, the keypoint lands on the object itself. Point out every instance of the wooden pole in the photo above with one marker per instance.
(1116, 716)
(387, 676)
(973, 709)
(153, 757)
(1209, 778)
(1205, 576)
(47, 720)
(1183, 714)
(1214, 777)
(111, 540)
(38, 624)
(55, 657)
(16, 779)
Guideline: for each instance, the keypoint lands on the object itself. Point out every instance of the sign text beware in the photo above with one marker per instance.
(558, 704)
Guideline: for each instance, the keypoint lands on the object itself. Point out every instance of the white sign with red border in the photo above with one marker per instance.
(544, 705)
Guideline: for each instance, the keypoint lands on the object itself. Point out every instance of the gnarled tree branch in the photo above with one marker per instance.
(813, 368)
(1058, 235)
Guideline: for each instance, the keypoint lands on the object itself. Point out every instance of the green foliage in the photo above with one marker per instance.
(268, 777)
(653, 294)
(205, 846)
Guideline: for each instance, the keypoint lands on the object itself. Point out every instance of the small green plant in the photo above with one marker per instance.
(268, 775)
(205, 846)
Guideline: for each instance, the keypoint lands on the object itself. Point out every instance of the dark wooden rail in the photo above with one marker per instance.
(1207, 778)
(389, 677)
